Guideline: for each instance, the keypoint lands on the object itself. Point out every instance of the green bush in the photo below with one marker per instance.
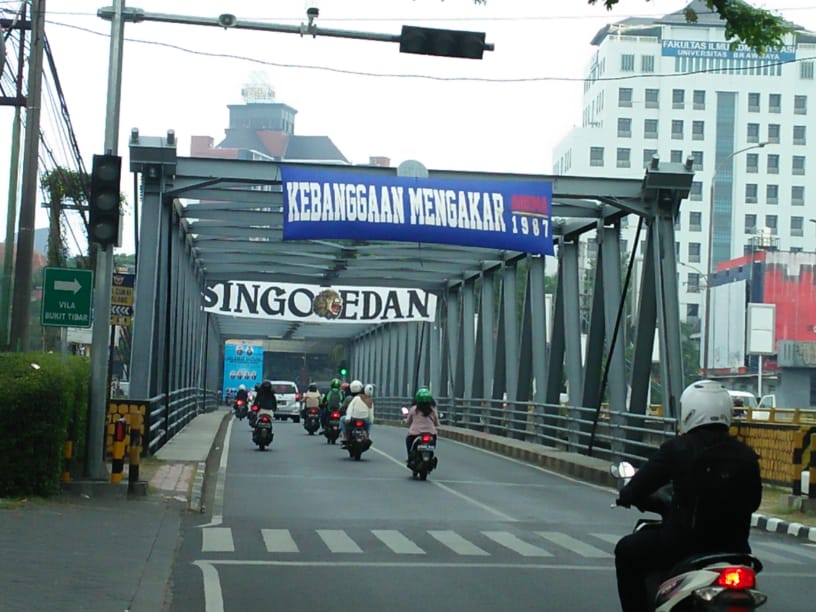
(40, 408)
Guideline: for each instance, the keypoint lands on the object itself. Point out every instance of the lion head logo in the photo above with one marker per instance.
(327, 304)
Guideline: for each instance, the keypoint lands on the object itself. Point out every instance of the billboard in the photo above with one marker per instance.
(478, 212)
(243, 365)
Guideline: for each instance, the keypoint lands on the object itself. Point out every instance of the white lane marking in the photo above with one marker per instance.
(397, 542)
(213, 597)
(217, 539)
(279, 541)
(338, 541)
(802, 550)
(514, 543)
(399, 564)
(457, 543)
(218, 497)
(577, 546)
(485, 507)
(612, 538)
(765, 555)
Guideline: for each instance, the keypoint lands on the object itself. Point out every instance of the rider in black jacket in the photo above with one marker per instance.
(266, 397)
(697, 522)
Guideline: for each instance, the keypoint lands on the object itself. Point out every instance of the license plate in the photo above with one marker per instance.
(425, 447)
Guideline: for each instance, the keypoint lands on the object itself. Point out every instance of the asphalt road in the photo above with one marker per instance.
(302, 527)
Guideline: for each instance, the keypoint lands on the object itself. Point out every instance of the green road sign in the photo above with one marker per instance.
(66, 300)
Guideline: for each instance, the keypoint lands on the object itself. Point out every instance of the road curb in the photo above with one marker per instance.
(197, 488)
(775, 525)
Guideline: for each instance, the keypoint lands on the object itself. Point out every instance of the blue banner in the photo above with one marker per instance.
(489, 213)
(243, 365)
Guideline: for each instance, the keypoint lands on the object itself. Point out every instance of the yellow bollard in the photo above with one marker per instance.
(67, 453)
(136, 422)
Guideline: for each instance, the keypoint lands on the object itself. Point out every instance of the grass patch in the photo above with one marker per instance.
(775, 504)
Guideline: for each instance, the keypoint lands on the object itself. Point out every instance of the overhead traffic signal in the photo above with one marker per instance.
(103, 225)
(343, 370)
(445, 43)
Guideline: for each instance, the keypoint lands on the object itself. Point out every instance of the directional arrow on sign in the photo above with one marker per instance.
(73, 285)
(126, 311)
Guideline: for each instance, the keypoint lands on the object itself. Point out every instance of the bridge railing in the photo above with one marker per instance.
(168, 414)
(614, 435)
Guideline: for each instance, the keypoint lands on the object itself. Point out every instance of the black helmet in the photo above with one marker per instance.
(313, 387)
(266, 385)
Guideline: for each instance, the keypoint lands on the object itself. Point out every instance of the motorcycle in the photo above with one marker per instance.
(311, 420)
(422, 459)
(708, 581)
(262, 433)
(332, 429)
(239, 408)
(358, 440)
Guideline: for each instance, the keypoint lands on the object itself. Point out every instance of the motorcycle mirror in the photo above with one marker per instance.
(404, 410)
(624, 469)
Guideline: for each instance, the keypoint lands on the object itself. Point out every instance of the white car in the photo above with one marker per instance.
(288, 398)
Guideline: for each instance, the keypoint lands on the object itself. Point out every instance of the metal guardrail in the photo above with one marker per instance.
(168, 414)
(617, 435)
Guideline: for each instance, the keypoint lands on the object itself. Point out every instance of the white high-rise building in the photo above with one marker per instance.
(673, 88)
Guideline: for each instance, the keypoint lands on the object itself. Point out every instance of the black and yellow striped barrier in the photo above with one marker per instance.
(118, 450)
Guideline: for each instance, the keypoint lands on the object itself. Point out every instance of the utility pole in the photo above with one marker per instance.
(96, 468)
(21, 302)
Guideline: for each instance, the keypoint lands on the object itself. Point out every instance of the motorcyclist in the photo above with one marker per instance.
(242, 394)
(360, 406)
(311, 399)
(705, 416)
(332, 400)
(265, 398)
(422, 417)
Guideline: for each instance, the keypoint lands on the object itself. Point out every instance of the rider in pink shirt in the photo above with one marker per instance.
(422, 417)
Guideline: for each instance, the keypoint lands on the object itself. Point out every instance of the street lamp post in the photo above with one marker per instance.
(719, 166)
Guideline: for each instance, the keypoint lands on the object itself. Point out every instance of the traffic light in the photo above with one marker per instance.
(103, 226)
(342, 370)
(445, 43)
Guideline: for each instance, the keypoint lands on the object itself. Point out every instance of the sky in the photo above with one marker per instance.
(504, 113)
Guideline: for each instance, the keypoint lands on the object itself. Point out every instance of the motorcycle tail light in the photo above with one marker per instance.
(335, 415)
(264, 419)
(240, 402)
(358, 423)
(256, 408)
(313, 411)
(737, 578)
(426, 438)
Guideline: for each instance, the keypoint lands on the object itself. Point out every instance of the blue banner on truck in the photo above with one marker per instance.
(490, 213)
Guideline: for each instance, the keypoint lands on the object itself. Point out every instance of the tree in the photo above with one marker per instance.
(759, 29)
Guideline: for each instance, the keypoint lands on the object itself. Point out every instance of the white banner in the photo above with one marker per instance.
(315, 304)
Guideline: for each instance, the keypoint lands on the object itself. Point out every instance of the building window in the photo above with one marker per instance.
(799, 134)
(798, 195)
(750, 224)
(676, 156)
(772, 223)
(624, 158)
(752, 163)
(596, 155)
(694, 252)
(797, 226)
(773, 164)
(677, 129)
(806, 71)
(652, 98)
(800, 105)
(753, 132)
(678, 98)
(693, 282)
(624, 128)
(625, 97)
(627, 62)
(750, 193)
(647, 63)
(648, 154)
(774, 103)
(650, 128)
(799, 164)
(773, 133)
(699, 99)
(697, 156)
(772, 194)
(696, 191)
(753, 102)
(697, 130)
(695, 221)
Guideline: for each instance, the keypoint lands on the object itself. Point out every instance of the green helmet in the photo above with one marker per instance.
(335, 383)
(423, 396)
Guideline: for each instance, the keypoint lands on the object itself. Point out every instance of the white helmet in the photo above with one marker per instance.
(368, 389)
(355, 387)
(241, 388)
(705, 402)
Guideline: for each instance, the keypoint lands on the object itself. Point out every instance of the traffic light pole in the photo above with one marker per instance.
(96, 468)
